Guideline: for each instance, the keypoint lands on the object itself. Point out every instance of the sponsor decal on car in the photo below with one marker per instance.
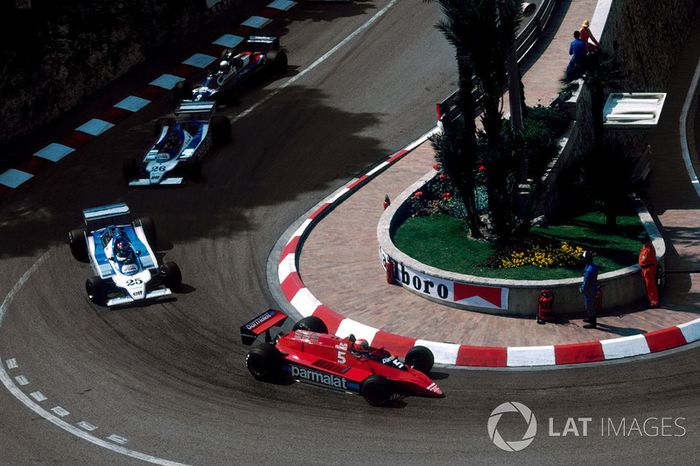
(264, 317)
(309, 375)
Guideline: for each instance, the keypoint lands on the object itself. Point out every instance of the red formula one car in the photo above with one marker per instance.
(309, 354)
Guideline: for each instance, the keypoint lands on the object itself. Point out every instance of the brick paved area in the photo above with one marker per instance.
(339, 263)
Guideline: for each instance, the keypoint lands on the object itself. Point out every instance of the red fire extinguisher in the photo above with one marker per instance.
(599, 300)
(389, 267)
(544, 306)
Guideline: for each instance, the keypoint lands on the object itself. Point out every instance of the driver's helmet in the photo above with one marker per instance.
(224, 65)
(121, 249)
(361, 346)
(173, 139)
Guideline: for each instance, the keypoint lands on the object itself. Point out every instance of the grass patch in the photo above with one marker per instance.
(441, 241)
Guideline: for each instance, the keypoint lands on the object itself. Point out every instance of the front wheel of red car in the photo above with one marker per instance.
(264, 362)
(377, 390)
(312, 324)
(421, 359)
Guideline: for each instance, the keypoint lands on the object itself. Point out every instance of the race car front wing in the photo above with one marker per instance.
(125, 299)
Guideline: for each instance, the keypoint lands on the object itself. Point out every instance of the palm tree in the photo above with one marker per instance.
(456, 149)
(483, 33)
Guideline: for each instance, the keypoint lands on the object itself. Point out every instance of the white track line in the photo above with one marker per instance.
(18, 286)
(31, 404)
(318, 61)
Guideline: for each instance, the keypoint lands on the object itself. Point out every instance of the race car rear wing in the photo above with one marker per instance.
(261, 43)
(189, 107)
(106, 215)
(262, 324)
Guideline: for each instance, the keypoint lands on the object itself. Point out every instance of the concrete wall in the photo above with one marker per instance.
(645, 38)
(55, 54)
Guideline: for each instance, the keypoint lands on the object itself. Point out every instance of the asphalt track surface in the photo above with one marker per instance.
(171, 379)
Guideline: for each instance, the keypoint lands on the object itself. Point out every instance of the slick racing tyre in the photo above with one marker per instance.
(78, 244)
(376, 390)
(171, 275)
(130, 169)
(264, 362)
(149, 229)
(312, 324)
(194, 170)
(96, 289)
(277, 60)
(182, 91)
(420, 358)
(221, 130)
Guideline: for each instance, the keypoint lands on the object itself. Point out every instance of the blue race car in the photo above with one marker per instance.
(119, 252)
(182, 143)
(261, 55)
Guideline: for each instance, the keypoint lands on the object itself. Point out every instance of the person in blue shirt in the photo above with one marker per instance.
(589, 288)
(577, 50)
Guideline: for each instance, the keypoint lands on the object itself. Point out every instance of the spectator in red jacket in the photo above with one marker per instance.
(587, 35)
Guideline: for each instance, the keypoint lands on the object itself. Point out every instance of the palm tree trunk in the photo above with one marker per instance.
(468, 110)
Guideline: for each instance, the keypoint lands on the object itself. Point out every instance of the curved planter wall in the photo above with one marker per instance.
(496, 296)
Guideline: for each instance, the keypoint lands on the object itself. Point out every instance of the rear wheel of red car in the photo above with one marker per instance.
(264, 362)
(420, 358)
(312, 324)
(78, 244)
(376, 390)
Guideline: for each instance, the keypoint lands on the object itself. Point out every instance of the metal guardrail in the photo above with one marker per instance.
(448, 111)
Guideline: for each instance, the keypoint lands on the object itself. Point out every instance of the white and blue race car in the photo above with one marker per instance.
(119, 251)
(261, 56)
(182, 143)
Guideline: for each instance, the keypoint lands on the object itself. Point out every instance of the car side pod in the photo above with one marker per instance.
(250, 331)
